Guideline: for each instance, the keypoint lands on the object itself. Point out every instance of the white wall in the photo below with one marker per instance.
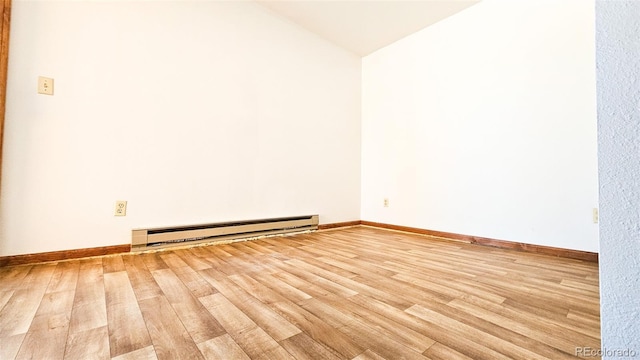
(192, 111)
(618, 56)
(485, 124)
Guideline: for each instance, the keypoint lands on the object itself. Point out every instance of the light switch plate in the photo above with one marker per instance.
(45, 85)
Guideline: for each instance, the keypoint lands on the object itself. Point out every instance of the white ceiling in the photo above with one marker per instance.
(364, 26)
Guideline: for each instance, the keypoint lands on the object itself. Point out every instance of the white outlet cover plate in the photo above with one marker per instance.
(121, 208)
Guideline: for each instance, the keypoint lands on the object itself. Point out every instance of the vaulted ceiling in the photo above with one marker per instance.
(364, 26)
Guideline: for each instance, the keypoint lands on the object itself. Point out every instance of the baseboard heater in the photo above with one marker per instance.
(145, 239)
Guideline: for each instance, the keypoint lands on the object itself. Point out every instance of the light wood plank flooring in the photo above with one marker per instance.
(355, 293)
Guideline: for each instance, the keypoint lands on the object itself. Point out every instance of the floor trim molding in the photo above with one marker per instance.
(538, 249)
(63, 255)
(119, 249)
(339, 225)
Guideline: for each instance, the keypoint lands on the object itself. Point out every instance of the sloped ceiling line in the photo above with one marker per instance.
(364, 26)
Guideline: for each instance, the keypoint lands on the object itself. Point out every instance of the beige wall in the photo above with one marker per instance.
(485, 124)
(192, 111)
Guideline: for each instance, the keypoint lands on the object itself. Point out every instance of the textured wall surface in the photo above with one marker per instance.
(618, 86)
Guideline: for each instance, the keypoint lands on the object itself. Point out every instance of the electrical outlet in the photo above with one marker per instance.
(45, 85)
(121, 208)
(386, 202)
(595, 215)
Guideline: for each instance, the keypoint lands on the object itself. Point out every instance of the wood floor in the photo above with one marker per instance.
(356, 293)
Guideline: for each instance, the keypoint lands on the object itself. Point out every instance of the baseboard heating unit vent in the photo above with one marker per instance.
(145, 239)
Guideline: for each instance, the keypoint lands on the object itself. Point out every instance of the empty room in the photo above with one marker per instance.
(319, 179)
